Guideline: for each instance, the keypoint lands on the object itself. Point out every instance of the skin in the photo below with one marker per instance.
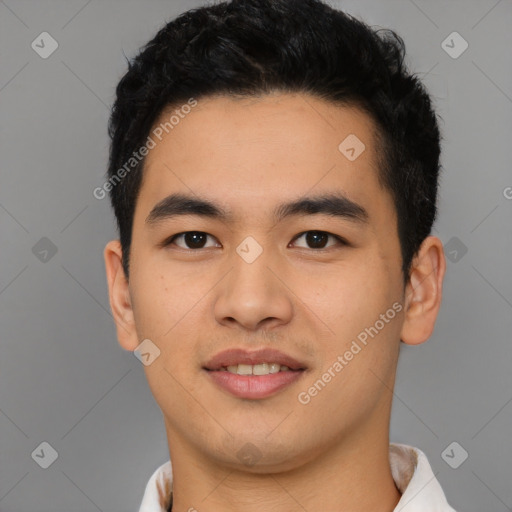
(250, 155)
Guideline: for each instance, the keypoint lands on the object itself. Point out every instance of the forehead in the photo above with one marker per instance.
(252, 153)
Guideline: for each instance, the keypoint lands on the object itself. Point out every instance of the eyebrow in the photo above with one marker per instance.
(331, 204)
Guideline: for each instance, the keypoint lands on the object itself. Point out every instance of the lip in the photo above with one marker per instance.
(253, 386)
(256, 386)
(236, 356)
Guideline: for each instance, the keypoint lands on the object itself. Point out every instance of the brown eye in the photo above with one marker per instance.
(318, 239)
(191, 239)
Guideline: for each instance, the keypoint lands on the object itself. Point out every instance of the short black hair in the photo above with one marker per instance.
(248, 48)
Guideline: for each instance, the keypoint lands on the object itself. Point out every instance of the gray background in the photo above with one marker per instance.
(63, 377)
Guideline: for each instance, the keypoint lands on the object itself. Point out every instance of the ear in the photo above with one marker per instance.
(423, 292)
(119, 293)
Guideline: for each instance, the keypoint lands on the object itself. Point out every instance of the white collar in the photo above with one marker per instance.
(413, 476)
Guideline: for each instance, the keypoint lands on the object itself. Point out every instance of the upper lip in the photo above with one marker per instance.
(235, 356)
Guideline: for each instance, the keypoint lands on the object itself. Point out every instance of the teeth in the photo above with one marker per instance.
(257, 369)
(261, 369)
(244, 369)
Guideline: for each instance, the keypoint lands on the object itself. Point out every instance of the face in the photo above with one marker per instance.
(269, 263)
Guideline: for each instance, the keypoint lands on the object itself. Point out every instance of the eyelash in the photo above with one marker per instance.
(341, 241)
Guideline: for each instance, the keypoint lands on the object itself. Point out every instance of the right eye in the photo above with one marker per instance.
(193, 240)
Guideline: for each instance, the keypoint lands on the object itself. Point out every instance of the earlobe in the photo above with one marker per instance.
(119, 296)
(423, 292)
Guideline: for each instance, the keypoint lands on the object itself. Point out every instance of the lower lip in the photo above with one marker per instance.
(254, 386)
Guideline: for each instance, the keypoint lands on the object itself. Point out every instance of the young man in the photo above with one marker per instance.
(273, 172)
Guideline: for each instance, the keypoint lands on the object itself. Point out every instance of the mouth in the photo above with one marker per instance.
(254, 375)
(256, 369)
(257, 362)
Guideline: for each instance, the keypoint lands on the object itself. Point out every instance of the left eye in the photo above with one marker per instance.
(318, 239)
(197, 239)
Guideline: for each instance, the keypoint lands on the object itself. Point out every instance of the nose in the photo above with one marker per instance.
(254, 295)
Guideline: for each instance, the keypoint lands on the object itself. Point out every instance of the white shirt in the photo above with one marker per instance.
(410, 468)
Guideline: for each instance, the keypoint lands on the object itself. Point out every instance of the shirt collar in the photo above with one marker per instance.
(411, 471)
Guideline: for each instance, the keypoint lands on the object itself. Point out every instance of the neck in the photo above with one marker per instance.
(353, 475)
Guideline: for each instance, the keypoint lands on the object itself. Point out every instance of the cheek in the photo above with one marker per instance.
(166, 313)
(169, 310)
(162, 298)
(357, 303)
(346, 297)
